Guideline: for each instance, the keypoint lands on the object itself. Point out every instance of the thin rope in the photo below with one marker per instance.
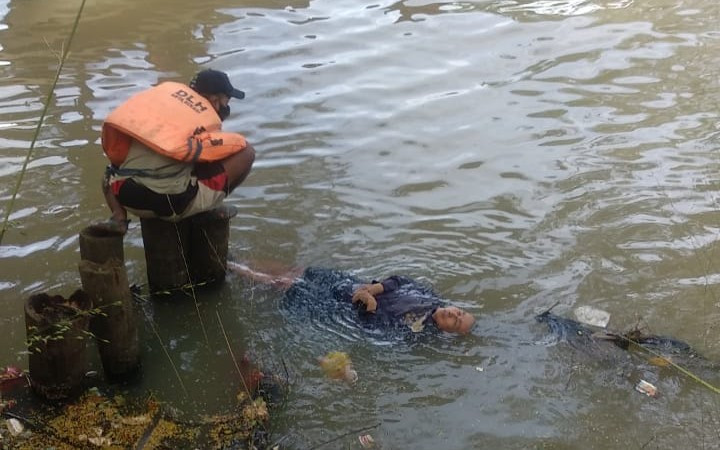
(66, 51)
(167, 355)
(672, 364)
(151, 321)
(213, 248)
(187, 271)
(232, 354)
(237, 366)
(192, 285)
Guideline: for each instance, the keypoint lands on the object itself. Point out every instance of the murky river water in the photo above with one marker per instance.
(514, 153)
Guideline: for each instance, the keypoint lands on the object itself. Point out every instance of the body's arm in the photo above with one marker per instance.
(391, 283)
(281, 281)
(367, 293)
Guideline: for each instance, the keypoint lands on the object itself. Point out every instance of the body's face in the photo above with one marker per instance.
(453, 320)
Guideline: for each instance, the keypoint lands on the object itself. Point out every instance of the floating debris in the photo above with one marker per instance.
(11, 378)
(97, 421)
(366, 441)
(229, 430)
(14, 427)
(100, 441)
(659, 361)
(592, 316)
(135, 420)
(418, 325)
(6, 404)
(646, 388)
(11, 373)
(338, 366)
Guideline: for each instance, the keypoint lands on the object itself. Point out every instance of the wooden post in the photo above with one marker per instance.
(209, 244)
(116, 327)
(167, 246)
(99, 245)
(56, 333)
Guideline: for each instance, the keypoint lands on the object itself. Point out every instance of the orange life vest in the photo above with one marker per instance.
(171, 119)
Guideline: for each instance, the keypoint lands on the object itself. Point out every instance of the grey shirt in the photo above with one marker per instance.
(159, 173)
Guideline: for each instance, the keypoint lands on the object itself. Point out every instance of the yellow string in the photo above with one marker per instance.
(66, 51)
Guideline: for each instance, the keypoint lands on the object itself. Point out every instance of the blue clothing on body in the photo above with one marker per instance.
(403, 302)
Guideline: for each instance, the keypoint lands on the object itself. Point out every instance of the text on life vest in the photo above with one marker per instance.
(187, 99)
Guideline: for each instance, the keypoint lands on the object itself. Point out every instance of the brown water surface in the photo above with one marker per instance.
(513, 153)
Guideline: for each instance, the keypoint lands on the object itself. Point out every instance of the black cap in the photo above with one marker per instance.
(211, 81)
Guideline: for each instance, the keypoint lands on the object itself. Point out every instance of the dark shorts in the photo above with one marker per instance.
(209, 191)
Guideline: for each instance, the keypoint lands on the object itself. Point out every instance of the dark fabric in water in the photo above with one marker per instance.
(666, 345)
(404, 296)
(577, 333)
(328, 291)
(615, 350)
(567, 330)
(318, 290)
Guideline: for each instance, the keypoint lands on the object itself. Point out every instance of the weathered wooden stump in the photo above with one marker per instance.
(167, 250)
(56, 330)
(209, 244)
(193, 250)
(116, 326)
(98, 244)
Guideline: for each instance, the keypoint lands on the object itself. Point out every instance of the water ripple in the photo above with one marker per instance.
(511, 153)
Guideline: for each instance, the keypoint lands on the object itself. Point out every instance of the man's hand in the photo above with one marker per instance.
(373, 289)
(366, 299)
(366, 293)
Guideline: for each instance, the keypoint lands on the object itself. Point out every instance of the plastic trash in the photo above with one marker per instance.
(10, 373)
(14, 427)
(646, 388)
(6, 404)
(418, 325)
(366, 441)
(592, 316)
(338, 366)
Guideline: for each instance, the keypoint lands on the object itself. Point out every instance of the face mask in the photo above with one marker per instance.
(224, 112)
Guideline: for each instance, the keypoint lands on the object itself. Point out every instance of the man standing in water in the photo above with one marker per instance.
(169, 159)
(396, 300)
